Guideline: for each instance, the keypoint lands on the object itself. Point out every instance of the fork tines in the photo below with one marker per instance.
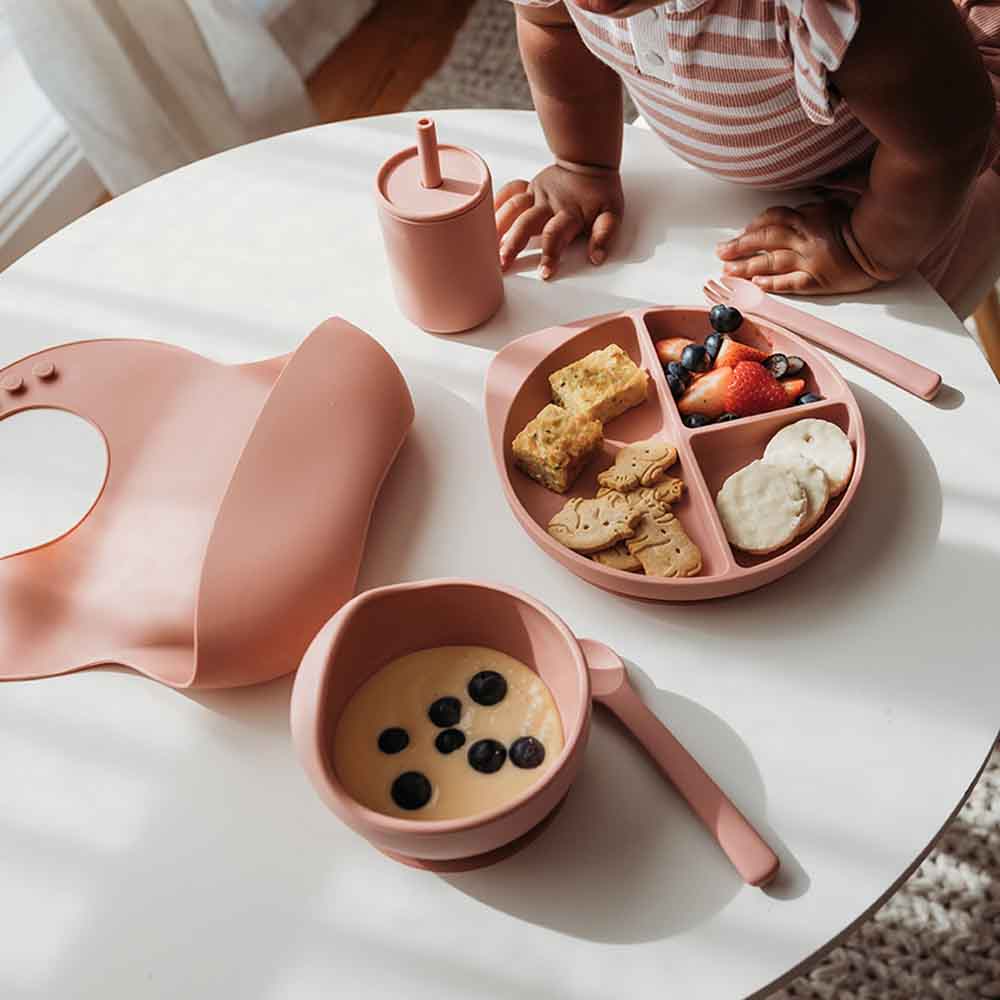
(714, 291)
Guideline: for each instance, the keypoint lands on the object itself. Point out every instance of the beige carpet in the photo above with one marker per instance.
(484, 69)
(938, 938)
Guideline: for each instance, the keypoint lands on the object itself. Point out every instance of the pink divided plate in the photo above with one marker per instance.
(517, 388)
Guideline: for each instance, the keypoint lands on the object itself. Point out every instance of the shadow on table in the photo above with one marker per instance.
(885, 574)
(888, 536)
(531, 304)
(948, 398)
(625, 860)
(913, 309)
(261, 708)
(908, 301)
(893, 525)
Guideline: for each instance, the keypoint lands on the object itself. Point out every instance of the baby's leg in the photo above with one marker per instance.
(970, 247)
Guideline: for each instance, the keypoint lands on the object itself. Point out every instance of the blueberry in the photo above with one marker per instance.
(449, 740)
(727, 417)
(675, 385)
(487, 756)
(808, 397)
(487, 688)
(411, 790)
(526, 752)
(777, 365)
(445, 712)
(393, 739)
(795, 364)
(679, 372)
(695, 358)
(725, 319)
(693, 420)
(713, 344)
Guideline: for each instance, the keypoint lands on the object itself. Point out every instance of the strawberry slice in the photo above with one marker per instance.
(707, 395)
(671, 348)
(733, 352)
(794, 387)
(753, 389)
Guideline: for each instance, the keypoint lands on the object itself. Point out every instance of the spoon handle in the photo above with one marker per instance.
(879, 360)
(744, 846)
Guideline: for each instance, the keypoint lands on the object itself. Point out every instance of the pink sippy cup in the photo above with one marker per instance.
(435, 206)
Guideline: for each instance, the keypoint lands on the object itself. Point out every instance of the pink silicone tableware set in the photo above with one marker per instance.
(267, 488)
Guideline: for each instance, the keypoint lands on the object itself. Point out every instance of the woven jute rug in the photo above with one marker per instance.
(938, 938)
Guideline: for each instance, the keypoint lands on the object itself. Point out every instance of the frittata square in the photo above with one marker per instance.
(554, 447)
(603, 385)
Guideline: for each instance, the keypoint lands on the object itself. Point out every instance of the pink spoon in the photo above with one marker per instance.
(744, 846)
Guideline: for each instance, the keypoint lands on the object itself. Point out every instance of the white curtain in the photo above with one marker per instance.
(149, 85)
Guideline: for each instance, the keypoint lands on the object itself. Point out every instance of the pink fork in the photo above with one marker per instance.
(893, 367)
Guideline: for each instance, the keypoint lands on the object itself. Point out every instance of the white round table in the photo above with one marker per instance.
(161, 844)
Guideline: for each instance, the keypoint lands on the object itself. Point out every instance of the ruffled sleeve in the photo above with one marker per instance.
(817, 34)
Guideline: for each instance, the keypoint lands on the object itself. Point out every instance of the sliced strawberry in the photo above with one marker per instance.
(671, 348)
(753, 389)
(794, 387)
(707, 395)
(733, 352)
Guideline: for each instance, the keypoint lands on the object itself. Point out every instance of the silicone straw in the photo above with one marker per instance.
(427, 145)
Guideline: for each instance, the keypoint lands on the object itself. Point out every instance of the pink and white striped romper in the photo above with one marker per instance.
(740, 88)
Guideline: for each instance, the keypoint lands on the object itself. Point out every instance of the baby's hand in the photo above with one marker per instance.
(796, 252)
(560, 203)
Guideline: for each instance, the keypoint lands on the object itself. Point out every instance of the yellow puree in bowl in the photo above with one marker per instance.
(418, 741)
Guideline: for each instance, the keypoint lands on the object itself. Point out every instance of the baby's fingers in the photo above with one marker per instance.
(777, 215)
(559, 232)
(528, 224)
(796, 283)
(508, 213)
(507, 192)
(764, 262)
(602, 232)
(768, 237)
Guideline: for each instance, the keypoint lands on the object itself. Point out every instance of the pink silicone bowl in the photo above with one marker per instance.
(381, 624)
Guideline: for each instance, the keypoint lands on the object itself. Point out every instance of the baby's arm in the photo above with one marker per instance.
(577, 97)
(913, 76)
(579, 104)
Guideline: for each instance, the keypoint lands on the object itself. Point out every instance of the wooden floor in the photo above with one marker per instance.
(383, 62)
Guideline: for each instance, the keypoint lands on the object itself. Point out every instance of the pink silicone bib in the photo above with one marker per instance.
(232, 521)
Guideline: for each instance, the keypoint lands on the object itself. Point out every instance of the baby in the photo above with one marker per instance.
(889, 109)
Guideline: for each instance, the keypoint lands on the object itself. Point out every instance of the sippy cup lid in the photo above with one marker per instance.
(406, 181)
